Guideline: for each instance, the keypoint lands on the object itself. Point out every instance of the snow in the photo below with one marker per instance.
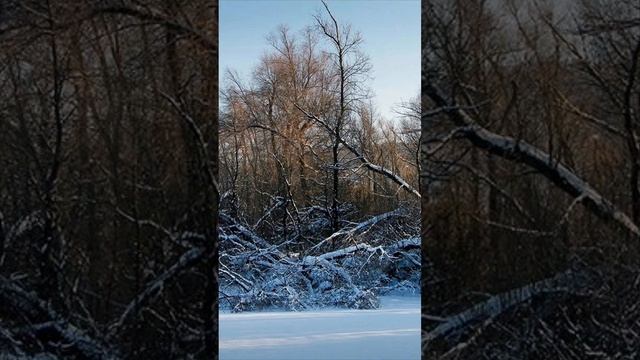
(391, 332)
(512, 148)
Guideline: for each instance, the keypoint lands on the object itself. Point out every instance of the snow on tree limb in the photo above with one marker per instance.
(359, 227)
(318, 260)
(155, 287)
(33, 307)
(521, 151)
(27, 223)
(405, 244)
(366, 162)
(284, 279)
(346, 251)
(498, 304)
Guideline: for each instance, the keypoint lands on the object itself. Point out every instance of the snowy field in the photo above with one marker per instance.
(391, 332)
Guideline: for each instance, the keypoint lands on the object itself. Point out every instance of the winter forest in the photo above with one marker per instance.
(121, 176)
(319, 205)
(319, 202)
(108, 197)
(529, 177)
(157, 205)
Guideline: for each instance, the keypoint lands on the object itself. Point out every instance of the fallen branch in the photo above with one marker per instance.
(371, 166)
(521, 151)
(405, 244)
(411, 243)
(498, 304)
(359, 227)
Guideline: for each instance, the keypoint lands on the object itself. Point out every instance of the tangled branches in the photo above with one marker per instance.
(255, 274)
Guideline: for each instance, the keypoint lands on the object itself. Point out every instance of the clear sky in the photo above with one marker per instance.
(390, 28)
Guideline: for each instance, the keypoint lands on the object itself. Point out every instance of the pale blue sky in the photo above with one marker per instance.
(390, 28)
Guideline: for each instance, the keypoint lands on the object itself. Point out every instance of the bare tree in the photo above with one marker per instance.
(350, 65)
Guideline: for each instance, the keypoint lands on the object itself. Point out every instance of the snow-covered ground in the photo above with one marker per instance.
(391, 332)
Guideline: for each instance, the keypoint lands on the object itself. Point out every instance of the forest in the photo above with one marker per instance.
(529, 179)
(319, 203)
(138, 197)
(143, 191)
(108, 190)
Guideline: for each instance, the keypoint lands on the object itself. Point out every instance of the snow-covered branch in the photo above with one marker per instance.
(498, 304)
(155, 287)
(14, 296)
(521, 151)
(365, 161)
(347, 233)
(404, 244)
